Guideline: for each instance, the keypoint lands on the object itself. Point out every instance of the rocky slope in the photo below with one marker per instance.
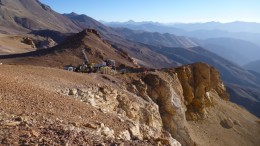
(13, 44)
(70, 52)
(36, 109)
(136, 54)
(56, 107)
(246, 97)
(97, 49)
(160, 102)
(230, 72)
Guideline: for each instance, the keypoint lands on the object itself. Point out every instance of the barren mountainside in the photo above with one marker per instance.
(97, 49)
(164, 90)
(157, 39)
(141, 108)
(20, 15)
(143, 55)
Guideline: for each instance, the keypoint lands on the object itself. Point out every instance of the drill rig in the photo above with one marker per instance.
(86, 67)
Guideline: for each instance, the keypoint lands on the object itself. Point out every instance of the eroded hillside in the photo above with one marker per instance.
(97, 49)
(55, 107)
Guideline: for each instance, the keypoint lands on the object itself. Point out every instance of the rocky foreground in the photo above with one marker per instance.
(183, 106)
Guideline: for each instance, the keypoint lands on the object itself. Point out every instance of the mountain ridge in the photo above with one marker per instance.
(70, 52)
(234, 26)
(235, 50)
(161, 97)
(21, 15)
(254, 66)
(201, 32)
(145, 55)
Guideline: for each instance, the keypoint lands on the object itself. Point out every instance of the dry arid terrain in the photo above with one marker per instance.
(34, 110)
(47, 106)
(165, 89)
(213, 132)
(10, 44)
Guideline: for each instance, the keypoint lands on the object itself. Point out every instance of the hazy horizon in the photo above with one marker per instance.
(197, 22)
(166, 11)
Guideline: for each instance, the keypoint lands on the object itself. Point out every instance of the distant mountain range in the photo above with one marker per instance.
(238, 26)
(207, 34)
(155, 38)
(235, 41)
(235, 50)
(238, 30)
(127, 47)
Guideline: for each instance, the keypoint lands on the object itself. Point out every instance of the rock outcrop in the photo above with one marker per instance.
(198, 82)
(144, 116)
(44, 43)
(166, 92)
(28, 41)
(38, 42)
(145, 108)
(181, 93)
(160, 101)
(94, 32)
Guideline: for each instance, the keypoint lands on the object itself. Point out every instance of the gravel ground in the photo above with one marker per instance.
(33, 112)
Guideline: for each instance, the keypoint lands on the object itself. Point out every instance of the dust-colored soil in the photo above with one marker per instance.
(70, 52)
(10, 44)
(32, 111)
(212, 132)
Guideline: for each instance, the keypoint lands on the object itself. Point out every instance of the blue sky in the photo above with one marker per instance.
(164, 11)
